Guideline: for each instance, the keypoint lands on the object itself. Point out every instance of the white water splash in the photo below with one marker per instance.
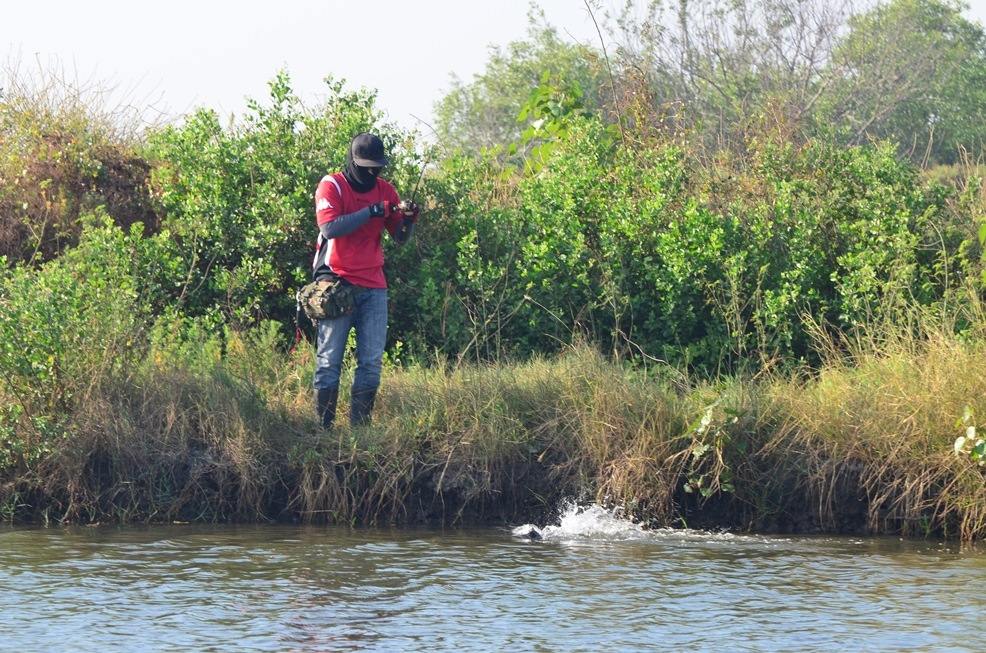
(596, 523)
(592, 522)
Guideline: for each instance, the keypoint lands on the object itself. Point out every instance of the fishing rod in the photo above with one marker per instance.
(405, 204)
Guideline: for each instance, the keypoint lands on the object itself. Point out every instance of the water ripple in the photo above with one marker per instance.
(595, 582)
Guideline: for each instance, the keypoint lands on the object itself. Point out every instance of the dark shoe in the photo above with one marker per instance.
(361, 406)
(325, 405)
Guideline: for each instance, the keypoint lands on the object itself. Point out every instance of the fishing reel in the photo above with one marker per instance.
(408, 208)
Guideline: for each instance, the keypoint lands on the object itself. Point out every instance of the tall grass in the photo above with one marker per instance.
(220, 428)
(875, 427)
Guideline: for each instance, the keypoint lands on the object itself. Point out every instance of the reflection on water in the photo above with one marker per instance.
(591, 587)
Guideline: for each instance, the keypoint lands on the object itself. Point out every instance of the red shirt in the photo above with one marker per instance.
(358, 256)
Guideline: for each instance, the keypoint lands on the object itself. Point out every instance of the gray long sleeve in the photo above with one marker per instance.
(345, 224)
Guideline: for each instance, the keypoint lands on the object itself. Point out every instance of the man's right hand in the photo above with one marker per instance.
(380, 209)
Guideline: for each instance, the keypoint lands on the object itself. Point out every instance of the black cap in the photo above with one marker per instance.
(368, 151)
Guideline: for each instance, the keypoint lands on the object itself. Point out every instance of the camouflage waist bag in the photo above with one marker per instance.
(326, 299)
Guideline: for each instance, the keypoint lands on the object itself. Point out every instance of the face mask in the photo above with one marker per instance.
(361, 179)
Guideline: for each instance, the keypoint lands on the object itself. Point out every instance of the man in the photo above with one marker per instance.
(352, 209)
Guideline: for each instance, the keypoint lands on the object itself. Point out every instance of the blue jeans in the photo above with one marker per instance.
(369, 318)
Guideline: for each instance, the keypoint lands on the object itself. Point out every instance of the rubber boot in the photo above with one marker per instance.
(325, 405)
(361, 406)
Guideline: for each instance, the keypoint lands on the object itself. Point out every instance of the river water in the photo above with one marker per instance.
(594, 582)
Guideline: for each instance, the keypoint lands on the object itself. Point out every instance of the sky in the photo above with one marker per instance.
(184, 54)
(171, 58)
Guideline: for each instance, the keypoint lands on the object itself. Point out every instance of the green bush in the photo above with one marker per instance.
(631, 240)
(65, 328)
(649, 249)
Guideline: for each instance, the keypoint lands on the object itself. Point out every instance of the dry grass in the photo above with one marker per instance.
(67, 145)
(876, 427)
(865, 444)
